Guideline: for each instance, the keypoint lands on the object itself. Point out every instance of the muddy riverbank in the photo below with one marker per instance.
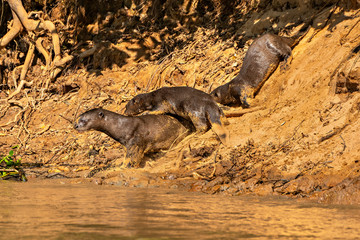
(301, 140)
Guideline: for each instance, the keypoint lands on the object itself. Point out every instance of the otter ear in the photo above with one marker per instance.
(101, 114)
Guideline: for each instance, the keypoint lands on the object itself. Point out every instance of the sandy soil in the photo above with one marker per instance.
(301, 137)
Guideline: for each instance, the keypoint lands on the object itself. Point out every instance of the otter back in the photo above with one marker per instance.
(189, 103)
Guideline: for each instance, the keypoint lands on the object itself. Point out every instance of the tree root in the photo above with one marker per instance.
(42, 50)
(15, 119)
(14, 75)
(28, 60)
(36, 25)
(14, 31)
(88, 52)
(22, 22)
(18, 89)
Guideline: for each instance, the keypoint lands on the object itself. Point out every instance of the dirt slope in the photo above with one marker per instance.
(301, 140)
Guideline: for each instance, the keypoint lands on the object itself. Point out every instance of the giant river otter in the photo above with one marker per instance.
(139, 134)
(189, 103)
(261, 60)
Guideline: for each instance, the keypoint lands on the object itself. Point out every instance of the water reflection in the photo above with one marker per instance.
(70, 211)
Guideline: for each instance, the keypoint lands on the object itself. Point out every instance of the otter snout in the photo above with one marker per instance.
(131, 110)
(219, 94)
(128, 112)
(216, 95)
(79, 124)
(77, 127)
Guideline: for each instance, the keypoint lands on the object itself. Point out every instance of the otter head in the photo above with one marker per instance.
(222, 95)
(92, 119)
(138, 104)
(230, 94)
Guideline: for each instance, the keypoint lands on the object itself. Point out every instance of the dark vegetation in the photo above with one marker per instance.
(10, 167)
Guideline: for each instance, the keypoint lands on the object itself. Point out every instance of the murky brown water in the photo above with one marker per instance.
(83, 211)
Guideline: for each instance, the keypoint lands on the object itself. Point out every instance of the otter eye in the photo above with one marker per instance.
(101, 114)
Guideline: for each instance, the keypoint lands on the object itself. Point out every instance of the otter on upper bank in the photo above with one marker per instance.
(186, 102)
(139, 135)
(261, 60)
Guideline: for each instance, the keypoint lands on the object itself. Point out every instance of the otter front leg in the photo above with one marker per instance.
(279, 47)
(282, 50)
(200, 122)
(134, 156)
(159, 110)
(285, 64)
(240, 94)
(217, 125)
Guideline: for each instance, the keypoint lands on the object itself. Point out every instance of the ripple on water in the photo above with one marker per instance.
(84, 211)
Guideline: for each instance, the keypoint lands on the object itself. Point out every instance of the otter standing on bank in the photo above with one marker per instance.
(139, 135)
(189, 103)
(261, 60)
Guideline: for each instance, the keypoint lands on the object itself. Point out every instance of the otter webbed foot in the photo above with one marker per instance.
(285, 65)
(244, 103)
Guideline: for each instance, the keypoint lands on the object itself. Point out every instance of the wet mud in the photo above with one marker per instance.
(300, 141)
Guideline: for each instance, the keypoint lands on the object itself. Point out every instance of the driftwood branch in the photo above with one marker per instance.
(8, 170)
(240, 112)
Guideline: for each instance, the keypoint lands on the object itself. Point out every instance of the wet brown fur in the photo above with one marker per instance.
(188, 103)
(261, 60)
(140, 134)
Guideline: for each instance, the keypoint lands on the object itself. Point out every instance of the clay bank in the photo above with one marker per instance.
(296, 136)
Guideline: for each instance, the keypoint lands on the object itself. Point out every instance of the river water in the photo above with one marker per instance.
(87, 211)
